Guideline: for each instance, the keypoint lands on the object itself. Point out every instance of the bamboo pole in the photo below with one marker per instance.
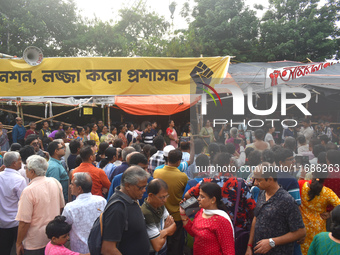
(33, 116)
(108, 118)
(103, 115)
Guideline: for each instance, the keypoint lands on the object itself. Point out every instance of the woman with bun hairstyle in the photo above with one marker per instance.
(314, 201)
(328, 243)
(212, 227)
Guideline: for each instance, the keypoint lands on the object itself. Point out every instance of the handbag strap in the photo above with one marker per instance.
(238, 197)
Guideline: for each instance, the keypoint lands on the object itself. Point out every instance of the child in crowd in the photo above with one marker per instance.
(58, 231)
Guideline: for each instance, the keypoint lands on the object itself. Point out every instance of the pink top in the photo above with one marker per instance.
(213, 236)
(174, 135)
(52, 249)
(39, 203)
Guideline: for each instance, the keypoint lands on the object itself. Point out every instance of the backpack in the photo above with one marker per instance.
(241, 235)
(95, 238)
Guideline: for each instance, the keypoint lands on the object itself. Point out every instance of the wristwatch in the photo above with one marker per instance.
(271, 243)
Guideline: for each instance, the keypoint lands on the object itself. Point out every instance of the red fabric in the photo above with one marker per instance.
(155, 105)
(168, 131)
(125, 141)
(31, 132)
(99, 177)
(213, 236)
(301, 182)
(333, 182)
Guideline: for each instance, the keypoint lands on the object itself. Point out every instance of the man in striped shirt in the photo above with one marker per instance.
(148, 135)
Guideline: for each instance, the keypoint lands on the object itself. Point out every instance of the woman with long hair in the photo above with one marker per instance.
(328, 243)
(187, 130)
(315, 198)
(94, 135)
(212, 227)
(213, 149)
(81, 134)
(107, 163)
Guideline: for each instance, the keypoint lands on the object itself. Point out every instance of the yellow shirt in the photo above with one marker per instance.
(95, 137)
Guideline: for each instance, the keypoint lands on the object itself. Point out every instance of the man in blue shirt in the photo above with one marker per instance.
(18, 132)
(55, 168)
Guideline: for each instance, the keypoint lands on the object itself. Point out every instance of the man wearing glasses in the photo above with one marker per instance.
(55, 168)
(124, 229)
(159, 223)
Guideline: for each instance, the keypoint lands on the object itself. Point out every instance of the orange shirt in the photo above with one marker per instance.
(39, 203)
(99, 178)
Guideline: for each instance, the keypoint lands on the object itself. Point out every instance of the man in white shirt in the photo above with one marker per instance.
(306, 130)
(11, 186)
(83, 211)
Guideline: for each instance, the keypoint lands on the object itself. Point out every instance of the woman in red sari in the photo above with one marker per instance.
(212, 227)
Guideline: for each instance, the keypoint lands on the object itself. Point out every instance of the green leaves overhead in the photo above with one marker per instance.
(288, 29)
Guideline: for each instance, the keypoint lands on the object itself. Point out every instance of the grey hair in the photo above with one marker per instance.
(59, 140)
(133, 175)
(38, 164)
(127, 151)
(233, 132)
(11, 157)
(83, 180)
(290, 143)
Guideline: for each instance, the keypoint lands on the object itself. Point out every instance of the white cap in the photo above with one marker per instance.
(167, 149)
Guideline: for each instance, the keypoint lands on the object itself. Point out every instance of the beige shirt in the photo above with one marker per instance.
(39, 203)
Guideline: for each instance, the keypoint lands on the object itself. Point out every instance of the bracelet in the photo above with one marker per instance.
(183, 214)
(250, 245)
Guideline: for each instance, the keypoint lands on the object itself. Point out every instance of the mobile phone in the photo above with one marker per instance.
(191, 202)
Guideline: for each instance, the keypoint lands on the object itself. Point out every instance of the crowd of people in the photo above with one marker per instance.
(170, 192)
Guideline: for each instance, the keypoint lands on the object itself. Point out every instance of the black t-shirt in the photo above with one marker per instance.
(135, 239)
(71, 161)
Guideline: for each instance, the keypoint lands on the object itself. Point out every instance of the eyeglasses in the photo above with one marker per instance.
(164, 197)
(62, 148)
(141, 188)
(34, 144)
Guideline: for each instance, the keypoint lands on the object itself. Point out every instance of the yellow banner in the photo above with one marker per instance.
(109, 76)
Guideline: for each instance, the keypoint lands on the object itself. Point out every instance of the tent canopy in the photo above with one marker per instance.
(155, 105)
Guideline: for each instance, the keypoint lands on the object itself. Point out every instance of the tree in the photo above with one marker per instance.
(298, 29)
(137, 33)
(225, 27)
(144, 31)
(51, 25)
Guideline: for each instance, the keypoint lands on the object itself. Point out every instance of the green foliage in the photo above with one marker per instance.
(225, 27)
(298, 29)
(289, 29)
(50, 25)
